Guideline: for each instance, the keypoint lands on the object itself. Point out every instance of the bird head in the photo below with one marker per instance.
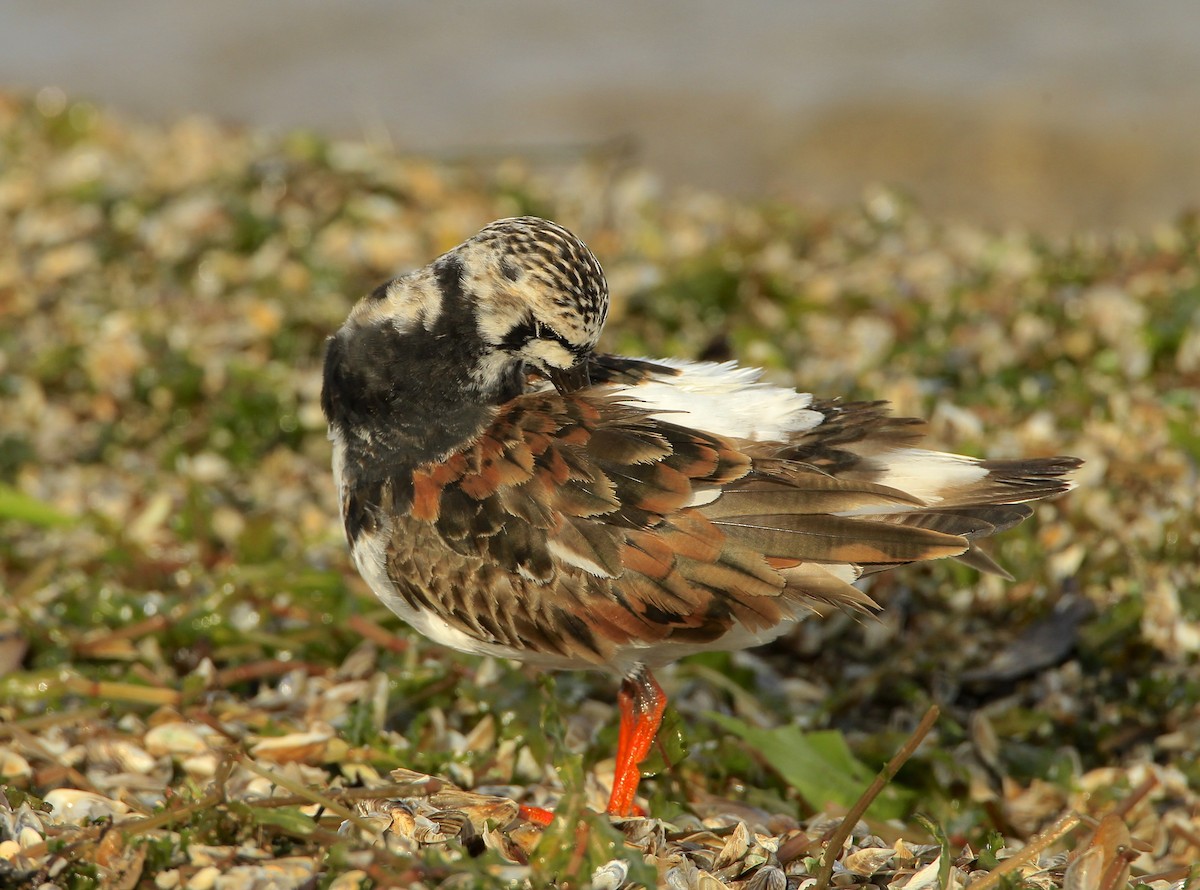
(539, 298)
(523, 295)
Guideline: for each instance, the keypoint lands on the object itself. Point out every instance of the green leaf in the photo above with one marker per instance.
(820, 766)
(946, 858)
(669, 747)
(23, 508)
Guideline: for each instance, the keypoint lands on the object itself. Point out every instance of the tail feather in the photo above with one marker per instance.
(855, 495)
(977, 521)
(981, 562)
(837, 539)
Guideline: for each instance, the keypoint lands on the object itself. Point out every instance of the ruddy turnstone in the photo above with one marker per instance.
(508, 491)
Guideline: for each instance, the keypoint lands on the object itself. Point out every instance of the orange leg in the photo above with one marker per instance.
(536, 815)
(642, 703)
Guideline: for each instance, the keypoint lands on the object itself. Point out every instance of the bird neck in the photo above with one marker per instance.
(407, 396)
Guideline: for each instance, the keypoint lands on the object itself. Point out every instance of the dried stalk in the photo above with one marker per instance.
(838, 838)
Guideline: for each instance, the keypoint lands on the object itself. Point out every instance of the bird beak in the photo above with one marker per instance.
(571, 379)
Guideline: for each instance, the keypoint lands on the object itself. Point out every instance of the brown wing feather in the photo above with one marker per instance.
(567, 525)
(835, 539)
(580, 524)
(852, 445)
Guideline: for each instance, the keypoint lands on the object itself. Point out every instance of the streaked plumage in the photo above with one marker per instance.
(508, 491)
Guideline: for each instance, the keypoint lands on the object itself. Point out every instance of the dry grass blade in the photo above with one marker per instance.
(309, 795)
(1136, 796)
(43, 722)
(111, 690)
(1056, 832)
(380, 792)
(838, 838)
(380, 636)
(259, 670)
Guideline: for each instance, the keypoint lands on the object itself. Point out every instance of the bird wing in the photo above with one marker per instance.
(854, 442)
(623, 528)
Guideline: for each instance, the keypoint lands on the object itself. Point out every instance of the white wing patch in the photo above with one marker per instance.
(570, 557)
(701, 496)
(843, 571)
(929, 474)
(724, 399)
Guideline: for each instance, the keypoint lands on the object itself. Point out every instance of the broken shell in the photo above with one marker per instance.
(611, 875)
(204, 879)
(869, 861)
(177, 739)
(203, 766)
(769, 877)
(734, 849)
(14, 769)
(73, 805)
(354, 879)
(923, 879)
(123, 754)
(296, 747)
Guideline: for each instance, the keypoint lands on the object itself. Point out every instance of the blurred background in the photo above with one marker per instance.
(1064, 116)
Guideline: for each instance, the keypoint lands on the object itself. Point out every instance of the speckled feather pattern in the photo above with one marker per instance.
(654, 510)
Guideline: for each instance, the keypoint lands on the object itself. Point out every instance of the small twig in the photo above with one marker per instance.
(1186, 833)
(838, 838)
(1172, 875)
(257, 670)
(1056, 832)
(1118, 870)
(383, 792)
(1136, 796)
(378, 635)
(308, 795)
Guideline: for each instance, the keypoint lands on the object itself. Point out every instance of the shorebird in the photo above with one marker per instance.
(507, 490)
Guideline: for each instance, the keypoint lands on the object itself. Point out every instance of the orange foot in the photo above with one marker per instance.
(536, 815)
(642, 703)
